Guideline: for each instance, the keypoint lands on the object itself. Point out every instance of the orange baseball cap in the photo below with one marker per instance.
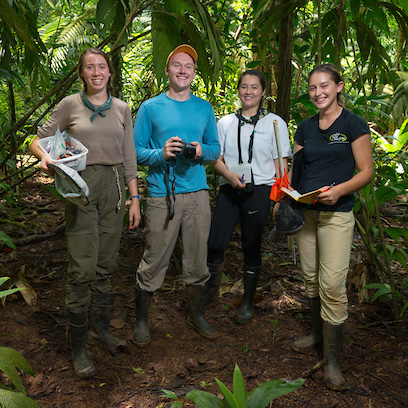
(188, 49)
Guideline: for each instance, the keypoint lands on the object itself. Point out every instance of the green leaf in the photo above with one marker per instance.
(7, 240)
(13, 399)
(229, 397)
(7, 292)
(384, 289)
(268, 391)
(204, 399)
(404, 308)
(10, 361)
(165, 37)
(169, 394)
(239, 387)
(396, 233)
(401, 256)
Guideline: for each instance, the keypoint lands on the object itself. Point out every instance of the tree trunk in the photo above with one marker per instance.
(117, 77)
(284, 77)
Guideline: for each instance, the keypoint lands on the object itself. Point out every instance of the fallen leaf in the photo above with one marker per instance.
(28, 293)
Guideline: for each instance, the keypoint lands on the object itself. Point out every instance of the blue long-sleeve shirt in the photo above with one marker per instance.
(161, 118)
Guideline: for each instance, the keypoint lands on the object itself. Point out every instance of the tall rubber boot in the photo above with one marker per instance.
(100, 317)
(141, 335)
(315, 338)
(332, 336)
(196, 300)
(214, 282)
(78, 323)
(246, 310)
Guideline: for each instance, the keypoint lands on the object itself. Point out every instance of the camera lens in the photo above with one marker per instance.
(189, 151)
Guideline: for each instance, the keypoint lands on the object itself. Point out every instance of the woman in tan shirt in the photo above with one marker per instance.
(104, 125)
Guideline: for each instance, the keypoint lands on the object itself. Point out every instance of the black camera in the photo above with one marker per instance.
(187, 150)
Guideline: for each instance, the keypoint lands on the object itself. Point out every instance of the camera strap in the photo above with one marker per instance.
(171, 195)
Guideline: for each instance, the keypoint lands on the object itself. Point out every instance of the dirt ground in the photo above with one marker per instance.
(374, 362)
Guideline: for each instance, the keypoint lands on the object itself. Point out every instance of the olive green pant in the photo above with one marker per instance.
(93, 235)
(324, 245)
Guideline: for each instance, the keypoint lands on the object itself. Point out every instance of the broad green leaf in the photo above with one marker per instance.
(10, 361)
(204, 399)
(377, 286)
(268, 391)
(384, 289)
(7, 292)
(229, 397)
(13, 399)
(387, 193)
(3, 279)
(401, 256)
(402, 136)
(169, 394)
(7, 240)
(396, 233)
(165, 37)
(239, 387)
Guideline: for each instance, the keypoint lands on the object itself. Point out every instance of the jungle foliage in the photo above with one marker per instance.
(41, 42)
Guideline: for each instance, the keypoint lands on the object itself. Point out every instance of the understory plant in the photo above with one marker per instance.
(13, 396)
(385, 243)
(6, 240)
(260, 397)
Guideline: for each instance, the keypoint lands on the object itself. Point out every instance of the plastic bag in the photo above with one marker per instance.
(59, 147)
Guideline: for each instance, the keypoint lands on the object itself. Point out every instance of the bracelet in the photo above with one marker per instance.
(135, 196)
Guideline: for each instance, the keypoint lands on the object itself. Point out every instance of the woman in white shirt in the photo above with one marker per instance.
(248, 165)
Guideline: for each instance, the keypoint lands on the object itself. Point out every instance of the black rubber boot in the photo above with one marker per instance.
(78, 327)
(315, 338)
(196, 300)
(214, 282)
(246, 310)
(141, 335)
(332, 336)
(100, 317)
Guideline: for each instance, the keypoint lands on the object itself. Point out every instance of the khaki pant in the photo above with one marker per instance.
(93, 235)
(324, 248)
(193, 215)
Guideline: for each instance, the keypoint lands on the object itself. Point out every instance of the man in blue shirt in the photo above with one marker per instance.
(174, 133)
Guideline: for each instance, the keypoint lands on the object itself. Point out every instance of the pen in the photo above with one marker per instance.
(327, 189)
(242, 180)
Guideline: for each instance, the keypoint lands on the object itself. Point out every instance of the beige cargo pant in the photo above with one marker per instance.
(324, 245)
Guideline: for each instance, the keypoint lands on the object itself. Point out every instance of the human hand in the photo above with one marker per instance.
(329, 195)
(134, 214)
(45, 161)
(172, 147)
(236, 180)
(199, 150)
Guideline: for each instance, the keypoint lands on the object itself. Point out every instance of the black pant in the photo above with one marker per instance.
(252, 209)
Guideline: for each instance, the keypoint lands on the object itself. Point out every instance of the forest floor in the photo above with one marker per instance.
(374, 362)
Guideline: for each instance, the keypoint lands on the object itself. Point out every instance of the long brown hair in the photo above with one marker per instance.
(104, 55)
(334, 73)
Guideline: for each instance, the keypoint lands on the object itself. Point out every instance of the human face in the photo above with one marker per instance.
(323, 90)
(181, 71)
(250, 93)
(95, 73)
